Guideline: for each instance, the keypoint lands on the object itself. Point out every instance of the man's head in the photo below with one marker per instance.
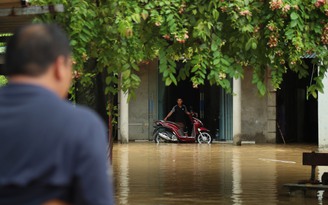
(40, 53)
(179, 101)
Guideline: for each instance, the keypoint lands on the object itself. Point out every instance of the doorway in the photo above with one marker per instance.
(212, 104)
(297, 116)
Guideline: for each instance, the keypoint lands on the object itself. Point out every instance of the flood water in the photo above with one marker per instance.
(149, 173)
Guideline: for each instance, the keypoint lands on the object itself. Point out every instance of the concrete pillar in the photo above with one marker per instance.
(323, 115)
(236, 107)
(124, 117)
(271, 131)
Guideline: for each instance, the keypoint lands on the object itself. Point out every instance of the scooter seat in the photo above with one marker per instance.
(176, 124)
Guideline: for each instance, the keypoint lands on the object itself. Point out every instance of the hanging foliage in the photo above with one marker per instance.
(216, 40)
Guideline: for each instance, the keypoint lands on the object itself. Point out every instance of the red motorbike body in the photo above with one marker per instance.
(174, 133)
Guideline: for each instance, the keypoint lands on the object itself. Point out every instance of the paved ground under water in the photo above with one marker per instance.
(149, 173)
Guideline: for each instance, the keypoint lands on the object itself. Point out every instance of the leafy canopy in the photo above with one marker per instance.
(216, 40)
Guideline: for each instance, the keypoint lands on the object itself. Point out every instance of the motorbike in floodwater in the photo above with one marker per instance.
(167, 131)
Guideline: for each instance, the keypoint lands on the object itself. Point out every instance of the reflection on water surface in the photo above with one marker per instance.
(147, 173)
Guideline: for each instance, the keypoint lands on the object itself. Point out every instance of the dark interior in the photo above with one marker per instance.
(192, 98)
(297, 116)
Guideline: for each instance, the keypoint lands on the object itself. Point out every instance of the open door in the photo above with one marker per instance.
(212, 103)
(297, 116)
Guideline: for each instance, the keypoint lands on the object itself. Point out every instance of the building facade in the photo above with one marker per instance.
(245, 113)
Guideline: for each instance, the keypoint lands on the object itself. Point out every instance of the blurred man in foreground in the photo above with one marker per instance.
(50, 151)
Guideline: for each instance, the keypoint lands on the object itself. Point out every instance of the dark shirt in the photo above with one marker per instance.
(180, 113)
(50, 149)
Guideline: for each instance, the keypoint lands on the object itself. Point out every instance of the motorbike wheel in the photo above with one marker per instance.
(157, 138)
(204, 137)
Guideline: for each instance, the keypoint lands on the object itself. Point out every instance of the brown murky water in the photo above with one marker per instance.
(147, 173)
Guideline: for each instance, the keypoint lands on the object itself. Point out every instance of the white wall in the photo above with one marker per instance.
(123, 117)
(236, 130)
(323, 115)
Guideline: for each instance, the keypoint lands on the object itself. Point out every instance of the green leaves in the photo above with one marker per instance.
(167, 68)
(294, 16)
(212, 41)
(125, 28)
(251, 44)
(3, 80)
(258, 80)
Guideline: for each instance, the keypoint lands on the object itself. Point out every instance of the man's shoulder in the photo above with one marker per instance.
(81, 114)
(174, 107)
(82, 123)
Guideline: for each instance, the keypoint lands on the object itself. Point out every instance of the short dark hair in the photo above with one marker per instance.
(33, 48)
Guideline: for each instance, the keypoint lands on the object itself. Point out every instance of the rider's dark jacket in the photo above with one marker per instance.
(180, 113)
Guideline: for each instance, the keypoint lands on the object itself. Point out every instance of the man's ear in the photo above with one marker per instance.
(59, 68)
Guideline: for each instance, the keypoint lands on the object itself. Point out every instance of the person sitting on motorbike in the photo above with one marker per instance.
(180, 110)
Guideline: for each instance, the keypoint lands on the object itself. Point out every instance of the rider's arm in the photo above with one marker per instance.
(186, 111)
(170, 113)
